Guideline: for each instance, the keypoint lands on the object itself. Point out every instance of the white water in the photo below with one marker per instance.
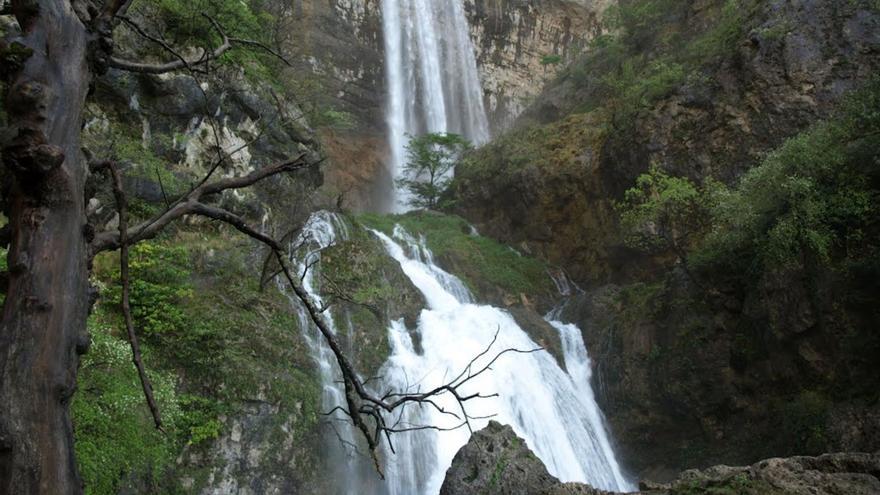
(431, 73)
(554, 411)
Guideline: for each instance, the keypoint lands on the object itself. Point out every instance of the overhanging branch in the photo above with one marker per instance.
(191, 204)
(180, 61)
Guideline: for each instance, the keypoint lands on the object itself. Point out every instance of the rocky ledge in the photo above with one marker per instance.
(497, 461)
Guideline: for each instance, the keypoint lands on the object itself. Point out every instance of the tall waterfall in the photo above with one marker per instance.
(553, 410)
(432, 79)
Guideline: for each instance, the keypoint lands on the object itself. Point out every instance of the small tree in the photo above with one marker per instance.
(666, 213)
(430, 160)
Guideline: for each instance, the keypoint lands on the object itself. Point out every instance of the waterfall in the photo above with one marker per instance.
(431, 73)
(553, 410)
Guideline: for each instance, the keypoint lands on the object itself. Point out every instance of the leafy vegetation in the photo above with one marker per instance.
(187, 24)
(114, 430)
(551, 59)
(211, 340)
(811, 201)
(663, 212)
(430, 160)
(646, 56)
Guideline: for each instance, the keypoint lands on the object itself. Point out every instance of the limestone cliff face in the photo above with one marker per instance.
(520, 45)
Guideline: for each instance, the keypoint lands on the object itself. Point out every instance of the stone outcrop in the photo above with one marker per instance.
(496, 461)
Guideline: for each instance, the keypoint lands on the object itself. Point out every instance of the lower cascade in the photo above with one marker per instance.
(554, 410)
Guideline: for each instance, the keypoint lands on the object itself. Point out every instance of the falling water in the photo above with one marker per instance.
(322, 230)
(553, 410)
(433, 84)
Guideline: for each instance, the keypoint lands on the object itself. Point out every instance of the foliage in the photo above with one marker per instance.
(186, 25)
(666, 212)
(646, 55)
(551, 59)
(430, 160)
(206, 355)
(160, 287)
(114, 431)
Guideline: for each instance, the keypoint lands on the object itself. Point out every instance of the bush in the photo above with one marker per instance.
(812, 200)
(663, 212)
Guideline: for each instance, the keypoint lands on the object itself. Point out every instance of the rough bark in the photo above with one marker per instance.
(44, 316)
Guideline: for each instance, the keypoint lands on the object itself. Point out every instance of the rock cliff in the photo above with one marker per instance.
(519, 46)
(732, 363)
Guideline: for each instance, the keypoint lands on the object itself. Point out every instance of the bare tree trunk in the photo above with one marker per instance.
(44, 316)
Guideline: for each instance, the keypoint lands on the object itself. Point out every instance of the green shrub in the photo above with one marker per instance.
(160, 287)
(813, 199)
(551, 59)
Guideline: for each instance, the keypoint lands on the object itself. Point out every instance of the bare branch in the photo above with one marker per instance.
(190, 203)
(121, 207)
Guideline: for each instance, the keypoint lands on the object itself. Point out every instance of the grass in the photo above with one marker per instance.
(481, 262)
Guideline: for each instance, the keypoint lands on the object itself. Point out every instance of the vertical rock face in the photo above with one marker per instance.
(520, 44)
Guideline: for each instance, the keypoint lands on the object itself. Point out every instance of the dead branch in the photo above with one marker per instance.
(190, 204)
(121, 206)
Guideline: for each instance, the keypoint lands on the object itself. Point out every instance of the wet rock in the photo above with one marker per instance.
(496, 461)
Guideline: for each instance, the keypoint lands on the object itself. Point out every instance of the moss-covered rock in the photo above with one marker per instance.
(494, 273)
(368, 290)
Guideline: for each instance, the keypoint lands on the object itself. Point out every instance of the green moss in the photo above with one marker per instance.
(553, 147)
(368, 290)
(481, 262)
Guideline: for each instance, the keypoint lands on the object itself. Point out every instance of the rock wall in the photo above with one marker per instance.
(691, 375)
(521, 44)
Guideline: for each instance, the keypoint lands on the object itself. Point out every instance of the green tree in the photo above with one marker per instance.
(430, 160)
(666, 213)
